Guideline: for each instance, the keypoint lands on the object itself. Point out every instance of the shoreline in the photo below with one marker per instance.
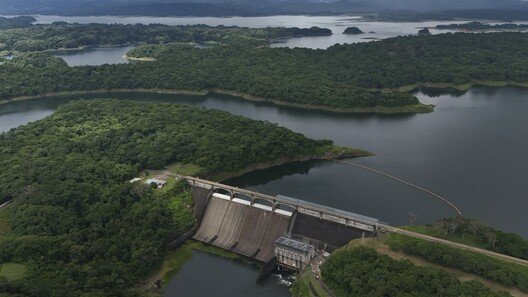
(333, 152)
(419, 108)
(458, 87)
(140, 59)
(411, 109)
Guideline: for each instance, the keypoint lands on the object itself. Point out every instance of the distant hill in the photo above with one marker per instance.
(251, 7)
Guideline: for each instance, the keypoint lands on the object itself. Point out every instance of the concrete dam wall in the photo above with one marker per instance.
(250, 228)
(333, 234)
(241, 227)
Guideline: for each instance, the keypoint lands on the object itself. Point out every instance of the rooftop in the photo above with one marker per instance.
(330, 210)
(294, 244)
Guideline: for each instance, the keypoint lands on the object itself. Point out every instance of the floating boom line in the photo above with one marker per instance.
(429, 192)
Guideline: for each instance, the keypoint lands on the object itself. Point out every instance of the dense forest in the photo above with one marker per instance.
(60, 35)
(473, 232)
(16, 22)
(363, 272)
(76, 223)
(395, 62)
(251, 71)
(482, 26)
(508, 274)
(341, 77)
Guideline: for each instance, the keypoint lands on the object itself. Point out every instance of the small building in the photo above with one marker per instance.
(293, 254)
(158, 182)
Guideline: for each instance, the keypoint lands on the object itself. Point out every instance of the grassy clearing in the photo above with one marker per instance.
(12, 271)
(174, 260)
(186, 169)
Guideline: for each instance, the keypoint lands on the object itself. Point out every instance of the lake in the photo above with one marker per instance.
(378, 30)
(471, 150)
(95, 56)
(337, 24)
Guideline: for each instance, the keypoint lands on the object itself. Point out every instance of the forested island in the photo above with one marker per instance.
(373, 76)
(78, 227)
(353, 31)
(61, 35)
(474, 26)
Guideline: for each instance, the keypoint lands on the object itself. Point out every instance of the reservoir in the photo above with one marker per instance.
(338, 24)
(471, 150)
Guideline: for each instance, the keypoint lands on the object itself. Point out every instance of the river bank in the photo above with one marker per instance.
(418, 108)
(453, 86)
(332, 152)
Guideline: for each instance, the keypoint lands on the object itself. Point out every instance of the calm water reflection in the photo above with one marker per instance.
(373, 30)
(95, 56)
(208, 275)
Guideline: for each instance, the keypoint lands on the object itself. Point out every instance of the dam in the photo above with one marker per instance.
(249, 223)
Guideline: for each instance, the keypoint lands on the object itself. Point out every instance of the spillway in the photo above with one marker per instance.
(232, 225)
(251, 228)
(214, 215)
(253, 231)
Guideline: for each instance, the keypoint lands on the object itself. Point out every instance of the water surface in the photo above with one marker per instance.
(373, 30)
(208, 275)
(95, 56)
